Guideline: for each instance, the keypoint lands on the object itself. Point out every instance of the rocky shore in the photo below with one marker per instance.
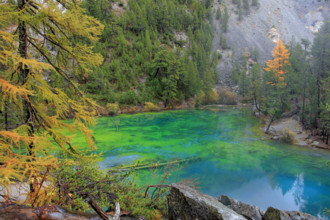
(184, 203)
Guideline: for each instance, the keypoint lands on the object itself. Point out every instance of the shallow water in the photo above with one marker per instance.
(231, 157)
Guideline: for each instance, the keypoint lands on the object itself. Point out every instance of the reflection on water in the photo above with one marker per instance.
(266, 195)
(233, 159)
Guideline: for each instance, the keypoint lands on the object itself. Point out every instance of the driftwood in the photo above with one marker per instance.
(150, 165)
(100, 211)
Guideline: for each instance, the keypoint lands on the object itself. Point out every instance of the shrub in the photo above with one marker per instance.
(150, 107)
(84, 179)
(287, 136)
(227, 97)
(113, 108)
(209, 98)
(127, 98)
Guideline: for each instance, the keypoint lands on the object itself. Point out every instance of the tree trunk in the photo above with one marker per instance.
(269, 124)
(23, 75)
(6, 115)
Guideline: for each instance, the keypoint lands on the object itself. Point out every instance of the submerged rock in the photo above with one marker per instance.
(186, 203)
(248, 211)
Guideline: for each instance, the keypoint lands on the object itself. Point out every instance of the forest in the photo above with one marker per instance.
(63, 60)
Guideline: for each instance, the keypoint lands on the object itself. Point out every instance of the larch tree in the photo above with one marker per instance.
(274, 77)
(43, 57)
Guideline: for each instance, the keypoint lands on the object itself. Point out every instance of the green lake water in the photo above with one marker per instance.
(231, 156)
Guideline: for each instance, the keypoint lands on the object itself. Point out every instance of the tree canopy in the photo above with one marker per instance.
(43, 56)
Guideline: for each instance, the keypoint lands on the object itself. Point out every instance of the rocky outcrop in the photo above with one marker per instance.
(186, 203)
(248, 211)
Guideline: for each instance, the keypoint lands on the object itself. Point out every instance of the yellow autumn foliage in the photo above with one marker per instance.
(210, 98)
(150, 107)
(27, 30)
(279, 63)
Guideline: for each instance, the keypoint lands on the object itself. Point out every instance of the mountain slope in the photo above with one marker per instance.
(263, 26)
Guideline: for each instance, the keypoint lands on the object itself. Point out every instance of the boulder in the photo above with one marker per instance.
(276, 214)
(301, 216)
(248, 211)
(186, 203)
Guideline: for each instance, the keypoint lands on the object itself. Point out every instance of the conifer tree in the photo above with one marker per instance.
(218, 14)
(225, 19)
(274, 77)
(321, 60)
(43, 57)
(246, 6)
(255, 3)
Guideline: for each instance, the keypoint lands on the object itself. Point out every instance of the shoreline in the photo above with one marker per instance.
(301, 136)
(292, 128)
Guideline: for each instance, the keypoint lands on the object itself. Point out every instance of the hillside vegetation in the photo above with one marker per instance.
(154, 50)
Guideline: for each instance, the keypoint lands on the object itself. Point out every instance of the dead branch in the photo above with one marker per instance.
(157, 186)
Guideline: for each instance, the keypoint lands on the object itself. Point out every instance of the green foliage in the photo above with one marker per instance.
(256, 86)
(136, 44)
(255, 54)
(127, 98)
(225, 19)
(42, 64)
(81, 180)
(255, 3)
(218, 14)
(223, 42)
(246, 7)
(321, 64)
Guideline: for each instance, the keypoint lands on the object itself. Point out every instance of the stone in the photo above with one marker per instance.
(276, 138)
(185, 203)
(248, 211)
(275, 214)
(295, 215)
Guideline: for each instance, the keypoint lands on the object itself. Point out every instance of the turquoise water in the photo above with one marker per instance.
(230, 155)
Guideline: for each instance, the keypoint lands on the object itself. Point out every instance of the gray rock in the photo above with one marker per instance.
(248, 211)
(275, 214)
(301, 216)
(186, 203)
(276, 138)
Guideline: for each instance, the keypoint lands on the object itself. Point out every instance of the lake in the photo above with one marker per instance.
(228, 153)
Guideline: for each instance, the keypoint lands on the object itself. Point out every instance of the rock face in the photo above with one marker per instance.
(248, 211)
(263, 26)
(186, 203)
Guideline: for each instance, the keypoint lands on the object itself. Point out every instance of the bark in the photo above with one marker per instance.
(269, 124)
(23, 75)
(6, 115)
(100, 211)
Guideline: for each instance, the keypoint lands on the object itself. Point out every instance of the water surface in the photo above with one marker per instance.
(232, 157)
